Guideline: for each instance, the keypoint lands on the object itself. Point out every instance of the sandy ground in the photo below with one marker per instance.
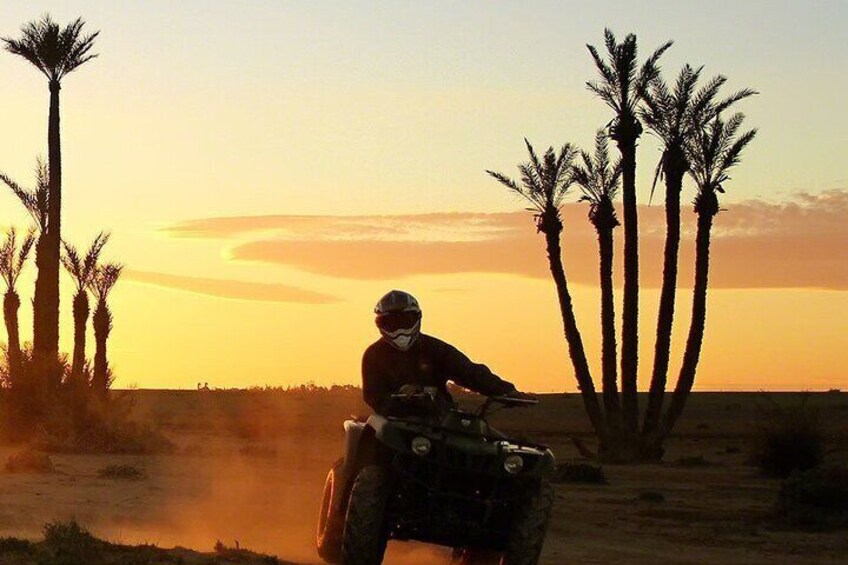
(251, 468)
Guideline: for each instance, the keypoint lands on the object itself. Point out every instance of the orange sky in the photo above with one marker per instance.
(268, 173)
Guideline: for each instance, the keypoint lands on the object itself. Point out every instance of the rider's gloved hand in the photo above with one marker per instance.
(517, 395)
(411, 389)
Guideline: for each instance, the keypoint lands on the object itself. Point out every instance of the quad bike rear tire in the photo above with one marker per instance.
(365, 533)
(331, 517)
(529, 528)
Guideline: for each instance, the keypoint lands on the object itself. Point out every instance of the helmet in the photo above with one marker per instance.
(398, 319)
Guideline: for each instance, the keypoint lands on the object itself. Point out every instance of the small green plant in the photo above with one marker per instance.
(789, 438)
(122, 472)
(578, 472)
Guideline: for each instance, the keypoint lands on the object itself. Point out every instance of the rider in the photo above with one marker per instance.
(405, 360)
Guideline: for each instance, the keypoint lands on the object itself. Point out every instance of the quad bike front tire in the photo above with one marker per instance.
(365, 533)
(529, 528)
(331, 518)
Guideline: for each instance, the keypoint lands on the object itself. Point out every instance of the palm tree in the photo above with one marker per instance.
(621, 86)
(544, 183)
(674, 115)
(599, 181)
(55, 51)
(12, 260)
(104, 280)
(712, 152)
(82, 269)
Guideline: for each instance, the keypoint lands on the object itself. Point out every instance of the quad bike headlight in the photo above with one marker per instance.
(421, 446)
(513, 464)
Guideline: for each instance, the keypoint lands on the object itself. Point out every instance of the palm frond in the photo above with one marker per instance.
(544, 180)
(53, 50)
(104, 279)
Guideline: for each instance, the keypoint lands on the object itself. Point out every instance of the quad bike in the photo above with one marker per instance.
(433, 473)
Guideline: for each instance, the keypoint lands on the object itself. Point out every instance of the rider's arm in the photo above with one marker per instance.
(473, 376)
(375, 385)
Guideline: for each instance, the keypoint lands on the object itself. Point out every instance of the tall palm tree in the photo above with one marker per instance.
(82, 268)
(599, 179)
(621, 85)
(712, 152)
(104, 280)
(12, 261)
(544, 184)
(55, 51)
(674, 115)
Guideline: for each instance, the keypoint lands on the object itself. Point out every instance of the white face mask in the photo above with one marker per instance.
(403, 338)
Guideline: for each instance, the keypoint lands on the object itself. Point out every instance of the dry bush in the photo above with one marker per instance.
(789, 438)
(815, 499)
(68, 543)
(29, 461)
(70, 417)
(122, 472)
(693, 461)
(651, 496)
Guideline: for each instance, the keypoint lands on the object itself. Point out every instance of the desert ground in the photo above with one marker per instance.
(248, 470)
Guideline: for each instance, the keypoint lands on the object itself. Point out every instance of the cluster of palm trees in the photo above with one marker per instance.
(55, 51)
(688, 119)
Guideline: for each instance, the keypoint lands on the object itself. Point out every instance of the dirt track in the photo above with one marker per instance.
(255, 475)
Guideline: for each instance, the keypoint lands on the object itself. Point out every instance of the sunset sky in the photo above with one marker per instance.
(268, 169)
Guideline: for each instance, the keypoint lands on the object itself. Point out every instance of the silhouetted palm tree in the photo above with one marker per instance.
(35, 202)
(598, 178)
(12, 261)
(101, 285)
(55, 51)
(82, 269)
(544, 183)
(674, 115)
(711, 153)
(621, 85)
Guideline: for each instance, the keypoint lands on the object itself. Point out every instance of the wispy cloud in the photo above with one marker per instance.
(231, 289)
(800, 243)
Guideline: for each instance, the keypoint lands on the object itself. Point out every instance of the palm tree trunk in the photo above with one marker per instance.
(572, 333)
(102, 322)
(630, 311)
(38, 301)
(686, 378)
(11, 304)
(665, 316)
(609, 360)
(47, 338)
(81, 311)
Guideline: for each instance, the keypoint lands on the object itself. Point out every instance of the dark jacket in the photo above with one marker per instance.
(429, 362)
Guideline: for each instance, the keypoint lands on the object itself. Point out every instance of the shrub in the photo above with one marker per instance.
(692, 461)
(29, 461)
(788, 439)
(14, 545)
(816, 498)
(651, 496)
(122, 472)
(577, 472)
(68, 543)
(238, 555)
